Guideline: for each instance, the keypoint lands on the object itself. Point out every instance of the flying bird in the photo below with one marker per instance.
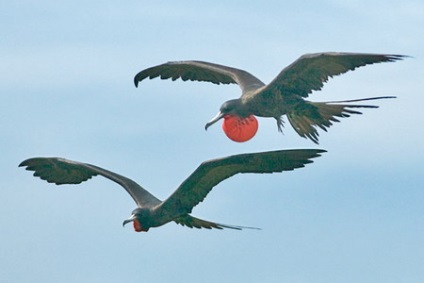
(285, 95)
(152, 212)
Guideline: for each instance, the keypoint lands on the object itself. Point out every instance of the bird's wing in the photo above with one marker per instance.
(201, 71)
(210, 173)
(311, 71)
(193, 222)
(62, 171)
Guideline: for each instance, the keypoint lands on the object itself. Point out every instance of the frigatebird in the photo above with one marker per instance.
(152, 212)
(285, 95)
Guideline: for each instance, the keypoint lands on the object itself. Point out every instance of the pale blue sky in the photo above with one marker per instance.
(355, 215)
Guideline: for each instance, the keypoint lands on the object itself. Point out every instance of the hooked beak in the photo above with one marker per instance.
(214, 120)
(126, 221)
(136, 223)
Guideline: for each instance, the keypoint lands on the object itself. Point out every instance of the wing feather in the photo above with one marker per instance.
(210, 173)
(200, 71)
(63, 171)
(311, 71)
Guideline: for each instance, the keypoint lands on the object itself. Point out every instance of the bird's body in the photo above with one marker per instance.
(285, 95)
(152, 212)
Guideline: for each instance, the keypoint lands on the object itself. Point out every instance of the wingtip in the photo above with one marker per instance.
(399, 56)
(317, 153)
(23, 163)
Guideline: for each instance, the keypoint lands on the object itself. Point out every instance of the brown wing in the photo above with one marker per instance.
(210, 173)
(200, 71)
(62, 171)
(311, 71)
(58, 170)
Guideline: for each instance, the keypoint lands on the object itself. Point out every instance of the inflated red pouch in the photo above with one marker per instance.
(240, 129)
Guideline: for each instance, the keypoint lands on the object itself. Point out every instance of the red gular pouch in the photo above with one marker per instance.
(137, 226)
(240, 129)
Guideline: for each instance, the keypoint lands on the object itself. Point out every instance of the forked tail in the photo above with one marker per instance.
(193, 222)
(307, 118)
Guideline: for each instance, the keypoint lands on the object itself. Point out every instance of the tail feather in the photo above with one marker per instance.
(307, 117)
(193, 222)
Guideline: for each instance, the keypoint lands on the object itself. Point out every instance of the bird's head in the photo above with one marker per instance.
(140, 217)
(232, 107)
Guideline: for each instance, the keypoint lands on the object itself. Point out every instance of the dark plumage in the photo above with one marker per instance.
(152, 212)
(285, 94)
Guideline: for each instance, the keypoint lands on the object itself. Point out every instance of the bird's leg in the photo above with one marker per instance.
(280, 123)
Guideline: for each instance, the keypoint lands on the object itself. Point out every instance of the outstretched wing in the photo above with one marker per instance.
(193, 222)
(62, 171)
(311, 71)
(201, 71)
(210, 173)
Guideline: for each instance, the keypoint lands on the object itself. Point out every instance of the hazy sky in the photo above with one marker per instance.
(355, 215)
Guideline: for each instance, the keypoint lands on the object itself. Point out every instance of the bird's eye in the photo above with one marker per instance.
(227, 107)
